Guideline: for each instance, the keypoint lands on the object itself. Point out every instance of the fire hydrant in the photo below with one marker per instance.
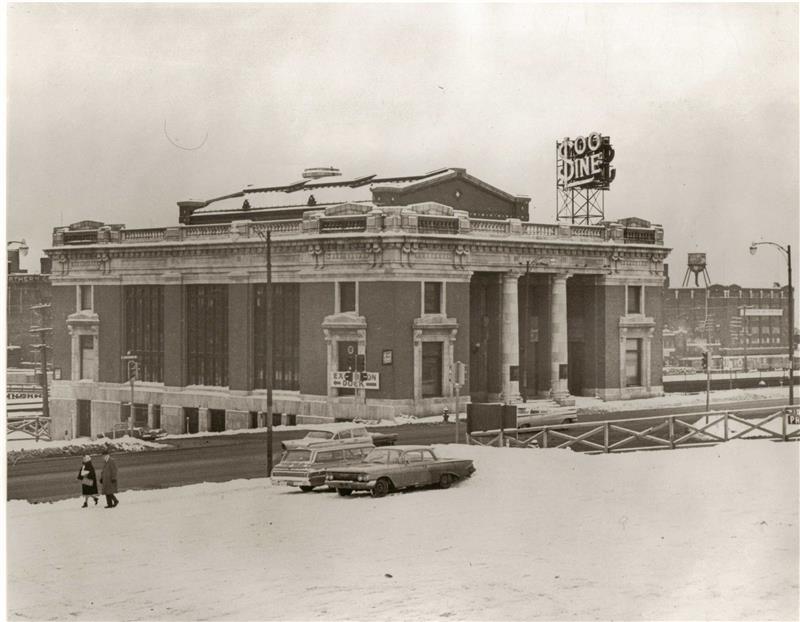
(445, 415)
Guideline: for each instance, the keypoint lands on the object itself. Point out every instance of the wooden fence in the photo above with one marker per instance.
(656, 432)
(35, 426)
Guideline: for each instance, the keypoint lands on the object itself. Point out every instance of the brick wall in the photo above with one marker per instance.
(63, 304)
(390, 308)
(108, 304)
(316, 301)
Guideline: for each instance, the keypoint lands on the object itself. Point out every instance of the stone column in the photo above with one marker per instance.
(558, 339)
(510, 338)
(150, 416)
(172, 419)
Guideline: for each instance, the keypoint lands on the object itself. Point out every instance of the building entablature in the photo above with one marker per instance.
(351, 239)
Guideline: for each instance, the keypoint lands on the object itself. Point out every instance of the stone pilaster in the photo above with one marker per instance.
(203, 419)
(559, 362)
(510, 338)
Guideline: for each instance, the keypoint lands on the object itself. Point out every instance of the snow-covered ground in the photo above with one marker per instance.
(696, 534)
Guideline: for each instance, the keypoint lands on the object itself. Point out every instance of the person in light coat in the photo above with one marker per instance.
(88, 480)
(108, 480)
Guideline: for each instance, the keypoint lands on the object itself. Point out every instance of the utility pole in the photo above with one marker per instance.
(133, 370)
(523, 367)
(708, 358)
(268, 364)
(788, 252)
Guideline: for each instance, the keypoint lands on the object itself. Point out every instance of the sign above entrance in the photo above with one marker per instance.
(355, 380)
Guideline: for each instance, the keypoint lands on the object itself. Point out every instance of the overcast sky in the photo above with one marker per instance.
(700, 101)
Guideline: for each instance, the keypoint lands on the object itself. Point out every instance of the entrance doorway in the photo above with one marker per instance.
(191, 420)
(575, 379)
(84, 418)
(217, 420)
(348, 360)
(432, 368)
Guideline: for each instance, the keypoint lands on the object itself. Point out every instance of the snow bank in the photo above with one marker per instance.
(29, 448)
(685, 534)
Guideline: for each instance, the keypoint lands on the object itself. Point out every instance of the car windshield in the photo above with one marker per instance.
(383, 456)
(297, 455)
(319, 434)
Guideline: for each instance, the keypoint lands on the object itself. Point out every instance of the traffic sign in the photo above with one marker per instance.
(355, 380)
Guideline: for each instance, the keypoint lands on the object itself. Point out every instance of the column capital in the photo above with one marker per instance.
(561, 275)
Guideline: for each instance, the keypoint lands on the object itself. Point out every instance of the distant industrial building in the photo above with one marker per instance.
(23, 291)
(744, 328)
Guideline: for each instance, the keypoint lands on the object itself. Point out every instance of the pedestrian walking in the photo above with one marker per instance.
(88, 481)
(108, 480)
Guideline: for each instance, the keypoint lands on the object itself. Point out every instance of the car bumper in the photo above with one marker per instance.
(285, 480)
(351, 485)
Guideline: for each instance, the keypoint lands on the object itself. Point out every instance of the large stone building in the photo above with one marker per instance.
(400, 276)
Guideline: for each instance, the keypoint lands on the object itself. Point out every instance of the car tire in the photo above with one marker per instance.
(446, 480)
(306, 488)
(344, 492)
(382, 487)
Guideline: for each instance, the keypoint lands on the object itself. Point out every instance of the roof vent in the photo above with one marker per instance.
(321, 171)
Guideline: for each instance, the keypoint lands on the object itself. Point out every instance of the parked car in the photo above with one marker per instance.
(386, 469)
(531, 416)
(343, 432)
(306, 468)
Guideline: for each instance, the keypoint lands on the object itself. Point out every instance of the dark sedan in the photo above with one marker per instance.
(386, 469)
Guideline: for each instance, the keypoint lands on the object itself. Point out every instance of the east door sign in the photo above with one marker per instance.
(355, 380)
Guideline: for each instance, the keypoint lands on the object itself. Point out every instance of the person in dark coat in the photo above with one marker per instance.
(88, 481)
(108, 480)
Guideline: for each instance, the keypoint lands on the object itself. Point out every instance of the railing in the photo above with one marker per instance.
(645, 433)
(587, 231)
(425, 223)
(492, 226)
(80, 237)
(35, 426)
(432, 224)
(142, 235)
(639, 236)
(201, 231)
(535, 230)
(278, 226)
(327, 225)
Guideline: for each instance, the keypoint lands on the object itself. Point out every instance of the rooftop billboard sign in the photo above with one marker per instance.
(585, 162)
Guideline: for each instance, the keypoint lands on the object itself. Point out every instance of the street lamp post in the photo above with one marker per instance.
(523, 374)
(133, 370)
(787, 250)
(266, 236)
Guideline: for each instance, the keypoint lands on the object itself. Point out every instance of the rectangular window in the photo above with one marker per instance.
(633, 362)
(144, 329)
(156, 415)
(285, 336)
(87, 357)
(347, 296)
(433, 297)
(207, 334)
(85, 295)
(431, 369)
(634, 299)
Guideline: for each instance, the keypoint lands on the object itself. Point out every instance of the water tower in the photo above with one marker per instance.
(696, 263)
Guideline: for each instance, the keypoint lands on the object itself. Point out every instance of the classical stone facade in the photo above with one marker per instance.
(403, 290)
